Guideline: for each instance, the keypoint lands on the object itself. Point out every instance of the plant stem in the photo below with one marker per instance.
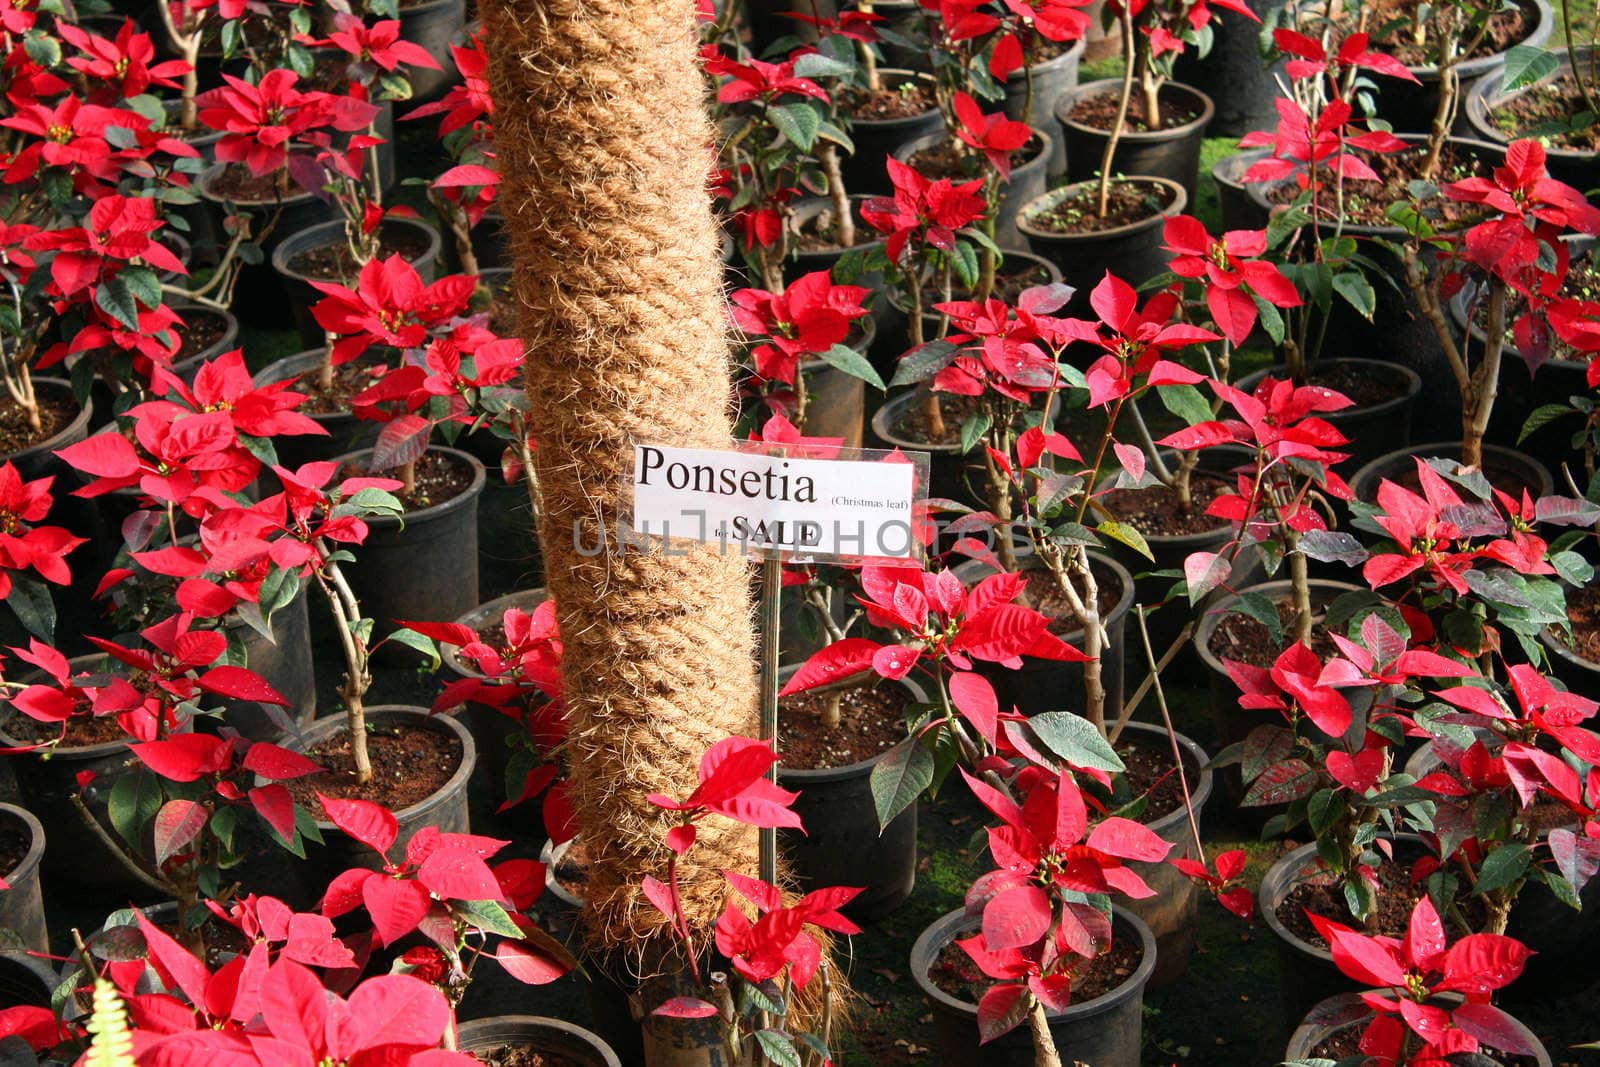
(1044, 1043)
(1301, 582)
(844, 221)
(1485, 379)
(357, 679)
(1121, 121)
(932, 413)
(1172, 737)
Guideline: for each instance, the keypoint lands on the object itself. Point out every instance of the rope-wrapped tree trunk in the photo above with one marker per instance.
(604, 150)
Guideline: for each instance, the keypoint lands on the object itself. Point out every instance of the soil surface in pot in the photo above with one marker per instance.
(1155, 511)
(903, 101)
(1364, 388)
(14, 845)
(1346, 1044)
(1397, 895)
(202, 328)
(1009, 283)
(409, 764)
(1098, 111)
(333, 261)
(1129, 202)
(1546, 112)
(1583, 610)
(1395, 170)
(912, 424)
(524, 1055)
(236, 183)
(349, 380)
(56, 413)
(820, 233)
(571, 870)
(1392, 25)
(440, 477)
(1239, 637)
(953, 972)
(943, 161)
(871, 720)
(82, 731)
(1045, 597)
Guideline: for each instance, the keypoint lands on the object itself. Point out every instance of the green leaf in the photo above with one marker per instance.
(1542, 416)
(116, 299)
(30, 601)
(899, 778)
(798, 122)
(1524, 65)
(854, 364)
(1270, 318)
(1186, 402)
(413, 640)
(1503, 866)
(1322, 810)
(973, 429)
(965, 260)
(1129, 536)
(1261, 608)
(486, 915)
(1075, 740)
(1357, 291)
(134, 801)
(817, 65)
(923, 363)
(777, 1048)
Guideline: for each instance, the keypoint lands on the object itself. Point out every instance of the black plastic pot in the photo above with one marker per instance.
(296, 286)
(1028, 181)
(435, 25)
(259, 295)
(1132, 252)
(491, 242)
(1306, 973)
(229, 340)
(424, 564)
(301, 884)
(1581, 676)
(803, 260)
(1042, 685)
(1346, 1011)
(1579, 169)
(491, 728)
(39, 460)
(1106, 1031)
(1239, 82)
(836, 401)
(285, 663)
(1409, 106)
(950, 470)
(1518, 465)
(345, 431)
(877, 139)
(22, 904)
(573, 1044)
(841, 827)
(1239, 210)
(1172, 153)
(1372, 430)
(25, 980)
(1052, 80)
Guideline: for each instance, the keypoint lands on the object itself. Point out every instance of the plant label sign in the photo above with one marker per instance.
(807, 503)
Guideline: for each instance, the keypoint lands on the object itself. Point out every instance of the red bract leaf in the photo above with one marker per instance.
(560, 821)
(1493, 1027)
(240, 683)
(176, 966)
(1000, 1011)
(402, 440)
(396, 905)
(184, 758)
(1479, 964)
(1201, 435)
(1358, 956)
(834, 663)
(394, 1009)
(1240, 901)
(1016, 918)
(659, 893)
(274, 804)
(177, 824)
(278, 764)
(974, 698)
(681, 838)
(521, 881)
(455, 874)
(527, 964)
(372, 824)
(105, 455)
(1357, 773)
(685, 1008)
(1129, 840)
(730, 767)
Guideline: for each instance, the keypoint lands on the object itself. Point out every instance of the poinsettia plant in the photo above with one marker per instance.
(466, 190)
(27, 543)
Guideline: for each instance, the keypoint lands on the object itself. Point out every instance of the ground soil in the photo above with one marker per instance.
(14, 845)
(1129, 202)
(349, 381)
(943, 160)
(1359, 383)
(332, 262)
(523, 1056)
(1154, 511)
(1099, 111)
(1546, 111)
(1365, 203)
(56, 412)
(439, 477)
(1391, 25)
(953, 972)
(913, 426)
(202, 328)
(409, 764)
(1583, 609)
(1047, 599)
(871, 721)
(900, 102)
(1239, 637)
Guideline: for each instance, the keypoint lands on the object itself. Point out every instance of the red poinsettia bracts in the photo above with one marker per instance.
(995, 135)
(261, 123)
(927, 212)
(1232, 272)
(390, 305)
(1134, 340)
(777, 939)
(25, 545)
(467, 104)
(804, 321)
(123, 62)
(379, 44)
(757, 80)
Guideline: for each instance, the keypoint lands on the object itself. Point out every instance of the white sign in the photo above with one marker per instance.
(759, 503)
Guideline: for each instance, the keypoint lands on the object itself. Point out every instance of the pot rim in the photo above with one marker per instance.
(943, 930)
(1199, 792)
(228, 341)
(1051, 197)
(894, 299)
(1120, 610)
(1369, 473)
(1177, 540)
(1412, 379)
(521, 598)
(815, 205)
(98, 750)
(1579, 244)
(1079, 47)
(595, 1043)
(1306, 1034)
(825, 775)
(80, 422)
(467, 497)
(1486, 95)
(1039, 159)
(1283, 875)
(1555, 645)
(1473, 68)
(900, 76)
(329, 725)
(550, 854)
(310, 237)
(28, 865)
(1212, 618)
(1067, 100)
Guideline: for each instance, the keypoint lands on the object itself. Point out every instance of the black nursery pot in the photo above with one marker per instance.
(1581, 676)
(285, 663)
(1347, 1011)
(435, 25)
(186, 369)
(1132, 251)
(25, 980)
(22, 905)
(949, 470)
(296, 286)
(571, 1044)
(1052, 80)
(1577, 168)
(1028, 181)
(1233, 74)
(345, 431)
(1172, 152)
(1106, 1031)
(1239, 210)
(1506, 468)
(423, 564)
(877, 139)
(841, 827)
(836, 402)
(1373, 429)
